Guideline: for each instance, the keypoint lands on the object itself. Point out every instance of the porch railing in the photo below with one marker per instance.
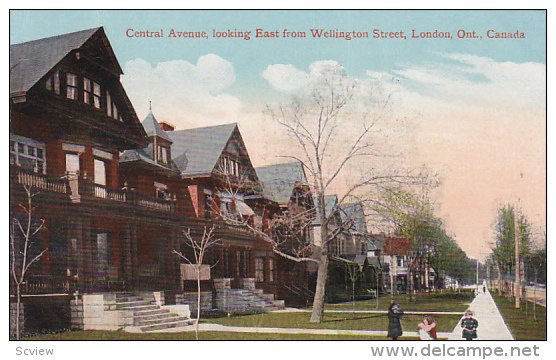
(39, 181)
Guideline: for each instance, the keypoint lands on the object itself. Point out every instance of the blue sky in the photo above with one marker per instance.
(250, 58)
(466, 103)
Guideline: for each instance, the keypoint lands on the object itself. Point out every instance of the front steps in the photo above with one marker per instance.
(147, 314)
(142, 312)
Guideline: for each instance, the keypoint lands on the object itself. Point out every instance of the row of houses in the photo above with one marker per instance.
(116, 194)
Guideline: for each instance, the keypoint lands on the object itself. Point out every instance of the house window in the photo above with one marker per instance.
(162, 154)
(53, 83)
(108, 104)
(161, 191)
(100, 172)
(87, 91)
(96, 95)
(238, 263)
(72, 163)
(259, 269)
(208, 206)
(230, 166)
(400, 261)
(27, 153)
(114, 111)
(363, 248)
(270, 270)
(71, 86)
(102, 255)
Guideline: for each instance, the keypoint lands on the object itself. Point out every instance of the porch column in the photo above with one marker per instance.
(127, 256)
(79, 235)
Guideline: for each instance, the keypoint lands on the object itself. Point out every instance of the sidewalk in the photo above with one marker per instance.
(491, 323)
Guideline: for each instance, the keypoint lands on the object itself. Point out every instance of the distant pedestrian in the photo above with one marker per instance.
(469, 325)
(394, 324)
(427, 328)
(484, 289)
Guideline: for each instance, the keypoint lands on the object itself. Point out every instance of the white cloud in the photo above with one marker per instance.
(185, 94)
(287, 78)
(476, 81)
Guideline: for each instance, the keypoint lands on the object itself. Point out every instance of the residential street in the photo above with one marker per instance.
(491, 323)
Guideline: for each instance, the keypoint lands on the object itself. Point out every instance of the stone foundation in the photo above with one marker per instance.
(190, 298)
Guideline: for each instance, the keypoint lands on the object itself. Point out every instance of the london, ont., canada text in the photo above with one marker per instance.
(322, 33)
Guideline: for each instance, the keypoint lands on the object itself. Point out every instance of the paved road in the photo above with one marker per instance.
(491, 323)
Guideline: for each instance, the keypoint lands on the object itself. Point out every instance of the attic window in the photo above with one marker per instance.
(162, 154)
(87, 91)
(96, 95)
(108, 104)
(230, 166)
(53, 83)
(71, 86)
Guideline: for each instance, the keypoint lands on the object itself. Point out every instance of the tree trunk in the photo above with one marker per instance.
(198, 303)
(499, 280)
(411, 289)
(17, 310)
(322, 275)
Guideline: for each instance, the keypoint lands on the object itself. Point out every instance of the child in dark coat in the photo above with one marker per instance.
(469, 325)
(394, 324)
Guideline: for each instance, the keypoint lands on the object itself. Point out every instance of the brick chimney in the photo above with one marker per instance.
(166, 127)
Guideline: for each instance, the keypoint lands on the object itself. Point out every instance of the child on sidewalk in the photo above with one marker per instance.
(469, 325)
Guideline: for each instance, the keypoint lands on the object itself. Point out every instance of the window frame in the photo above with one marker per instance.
(24, 143)
(72, 85)
(259, 269)
(97, 97)
(87, 91)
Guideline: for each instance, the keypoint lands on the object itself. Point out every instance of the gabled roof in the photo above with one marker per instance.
(279, 180)
(30, 61)
(354, 212)
(397, 246)
(152, 127)
(196, 151)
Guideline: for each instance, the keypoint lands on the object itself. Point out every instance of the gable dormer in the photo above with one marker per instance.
(160, 144)
(73, 82)
(234, 160)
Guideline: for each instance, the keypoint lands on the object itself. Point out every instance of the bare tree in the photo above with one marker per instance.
(195, 257)
(318, 126)
(21, 247)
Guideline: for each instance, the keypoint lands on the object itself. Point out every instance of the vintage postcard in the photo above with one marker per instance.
(279, 175)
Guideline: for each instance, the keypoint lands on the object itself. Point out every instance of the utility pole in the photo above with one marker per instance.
(477, 274)
(517, 237)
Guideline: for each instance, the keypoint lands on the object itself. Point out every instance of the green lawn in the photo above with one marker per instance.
(209, 335)
(340, 321)
(520, 321)
(451, 301)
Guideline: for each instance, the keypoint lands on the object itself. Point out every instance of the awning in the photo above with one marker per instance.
(243, 209)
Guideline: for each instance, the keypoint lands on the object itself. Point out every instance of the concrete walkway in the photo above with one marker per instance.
(286, 310)
(491, 322)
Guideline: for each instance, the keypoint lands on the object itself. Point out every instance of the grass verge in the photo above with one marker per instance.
(521, 323)
(339, 321)
(208, 335)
